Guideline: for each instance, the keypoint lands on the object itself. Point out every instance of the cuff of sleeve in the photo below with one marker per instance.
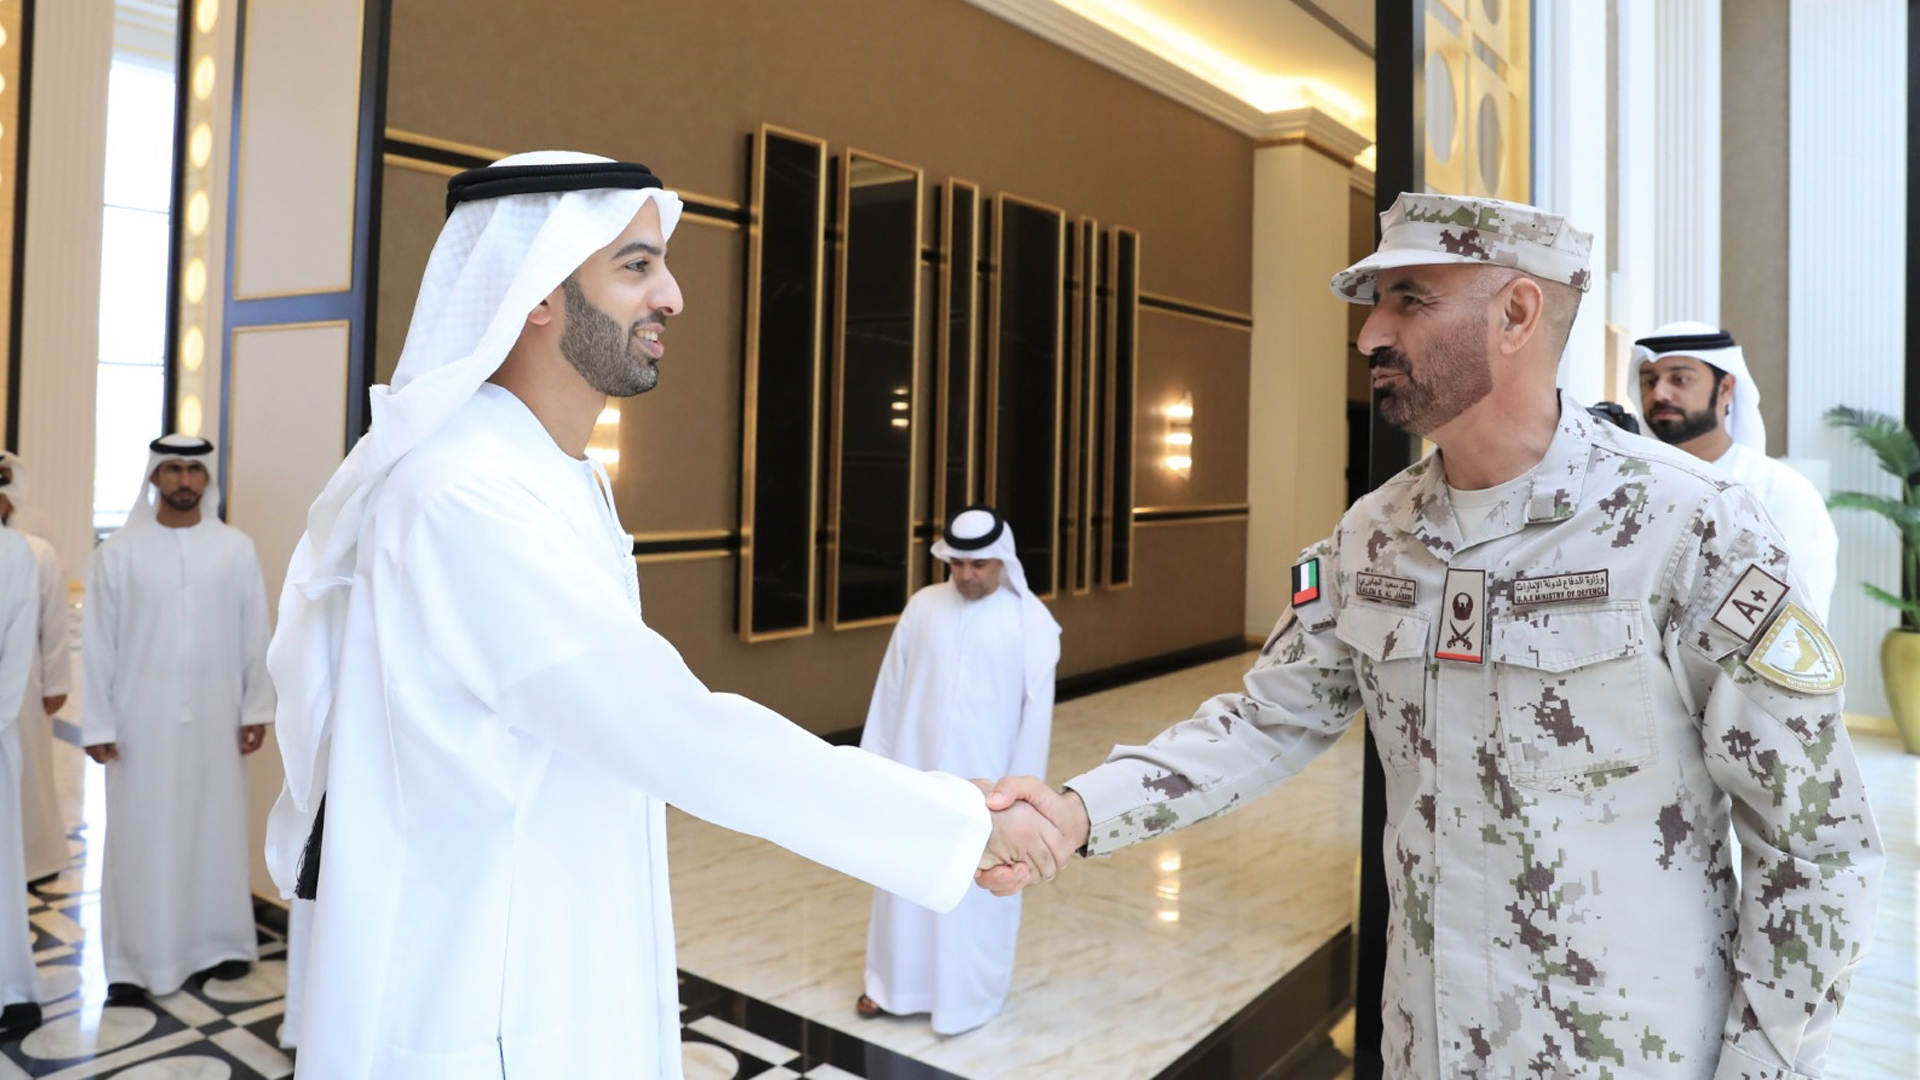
(975, 829)
(1736, 1064)
(1116, 815)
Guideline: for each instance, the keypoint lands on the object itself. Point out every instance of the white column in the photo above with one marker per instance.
(60, 304)
(1570, 110)
(1847, 116)
(1669, 160)
(1297, 400)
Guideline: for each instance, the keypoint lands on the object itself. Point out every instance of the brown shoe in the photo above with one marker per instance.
(865, 1007)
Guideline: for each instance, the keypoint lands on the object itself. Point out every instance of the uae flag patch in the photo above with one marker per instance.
(1306, 582)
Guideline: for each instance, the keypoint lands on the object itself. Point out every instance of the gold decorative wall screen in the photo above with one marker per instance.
(1034, 355)
(780, 397)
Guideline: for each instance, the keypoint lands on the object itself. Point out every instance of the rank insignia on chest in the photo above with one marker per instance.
(1747, 605)
(1797, 654)
(1306, 582)
(1463, 617)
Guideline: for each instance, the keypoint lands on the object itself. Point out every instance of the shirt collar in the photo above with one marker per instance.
(1427, 514)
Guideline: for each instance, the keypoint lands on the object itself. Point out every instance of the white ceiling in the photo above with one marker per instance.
(1241, 61)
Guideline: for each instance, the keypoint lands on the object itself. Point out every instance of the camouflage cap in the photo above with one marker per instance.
(1423, 230)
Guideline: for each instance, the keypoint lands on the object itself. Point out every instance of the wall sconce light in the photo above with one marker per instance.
(603, 445)
(1179, 437)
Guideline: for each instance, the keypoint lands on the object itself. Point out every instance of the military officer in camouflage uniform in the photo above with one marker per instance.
(1585, 658)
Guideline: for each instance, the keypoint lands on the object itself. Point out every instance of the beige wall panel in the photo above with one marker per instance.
(907, 79)
(1753, 187)
(1180, 356)
(284, 433)
(299, 136)
(287, 418)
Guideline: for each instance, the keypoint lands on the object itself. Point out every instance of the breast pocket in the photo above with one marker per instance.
(1571, 687)
(1390, 646)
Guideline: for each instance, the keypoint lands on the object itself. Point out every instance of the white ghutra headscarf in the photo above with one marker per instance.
(505, 247)
(979, 532)
(191, 449)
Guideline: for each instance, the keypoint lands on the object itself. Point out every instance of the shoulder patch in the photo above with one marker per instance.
(1796, 653)
(1306, 582)
(1745, 609)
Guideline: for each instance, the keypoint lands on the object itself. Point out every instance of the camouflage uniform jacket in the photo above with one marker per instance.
(1563, 895)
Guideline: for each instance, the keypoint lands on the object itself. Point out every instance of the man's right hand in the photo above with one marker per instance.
(1064, 809)
(104, 752)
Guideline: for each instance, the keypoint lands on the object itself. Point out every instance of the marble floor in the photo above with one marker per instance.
(1125, 963)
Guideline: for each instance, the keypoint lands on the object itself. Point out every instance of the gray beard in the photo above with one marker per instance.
(1457, 377)
(601, 350)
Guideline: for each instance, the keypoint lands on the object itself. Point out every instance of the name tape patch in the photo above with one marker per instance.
(1797, 654)
(1306, 582)
(1393, 590)
(1560, 588)
(1463, 610)
(1745, 609)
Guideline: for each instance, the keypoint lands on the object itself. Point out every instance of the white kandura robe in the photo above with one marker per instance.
(505, 736)
(1797, 508)
(950, 696)
(174, 636)
(44, 830)
(19, 617)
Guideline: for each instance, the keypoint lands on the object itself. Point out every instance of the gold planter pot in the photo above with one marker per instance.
(1900, 664)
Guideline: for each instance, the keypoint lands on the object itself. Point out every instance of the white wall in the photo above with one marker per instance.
(60, 304)
(1847, 104)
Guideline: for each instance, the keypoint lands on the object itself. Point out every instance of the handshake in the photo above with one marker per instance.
(1035, 831)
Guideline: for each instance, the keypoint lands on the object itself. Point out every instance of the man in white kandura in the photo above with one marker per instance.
(966, 688)
(174, 640)
(48, 683)
(465, 676)
(1697, 394)
(19, 618)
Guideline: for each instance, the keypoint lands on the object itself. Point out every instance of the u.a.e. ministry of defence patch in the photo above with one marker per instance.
(1796, 653)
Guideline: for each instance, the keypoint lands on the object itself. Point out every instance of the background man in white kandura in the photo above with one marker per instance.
(1697, 394)
(173, 644)
(48, 683)
(19, 610)
(966, 688)
(464, 675)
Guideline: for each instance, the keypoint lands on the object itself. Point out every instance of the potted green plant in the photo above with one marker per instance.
(1899, 454)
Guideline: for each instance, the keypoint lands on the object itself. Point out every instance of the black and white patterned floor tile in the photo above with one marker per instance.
(213, 1029)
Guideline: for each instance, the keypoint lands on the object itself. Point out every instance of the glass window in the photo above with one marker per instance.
(133, 283)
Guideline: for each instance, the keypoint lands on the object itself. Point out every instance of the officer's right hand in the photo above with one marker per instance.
(104, 752)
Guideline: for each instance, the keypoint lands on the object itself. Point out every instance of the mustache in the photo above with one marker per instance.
(1389, 359)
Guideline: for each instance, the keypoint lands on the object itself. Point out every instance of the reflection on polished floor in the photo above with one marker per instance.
(1128, 966)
